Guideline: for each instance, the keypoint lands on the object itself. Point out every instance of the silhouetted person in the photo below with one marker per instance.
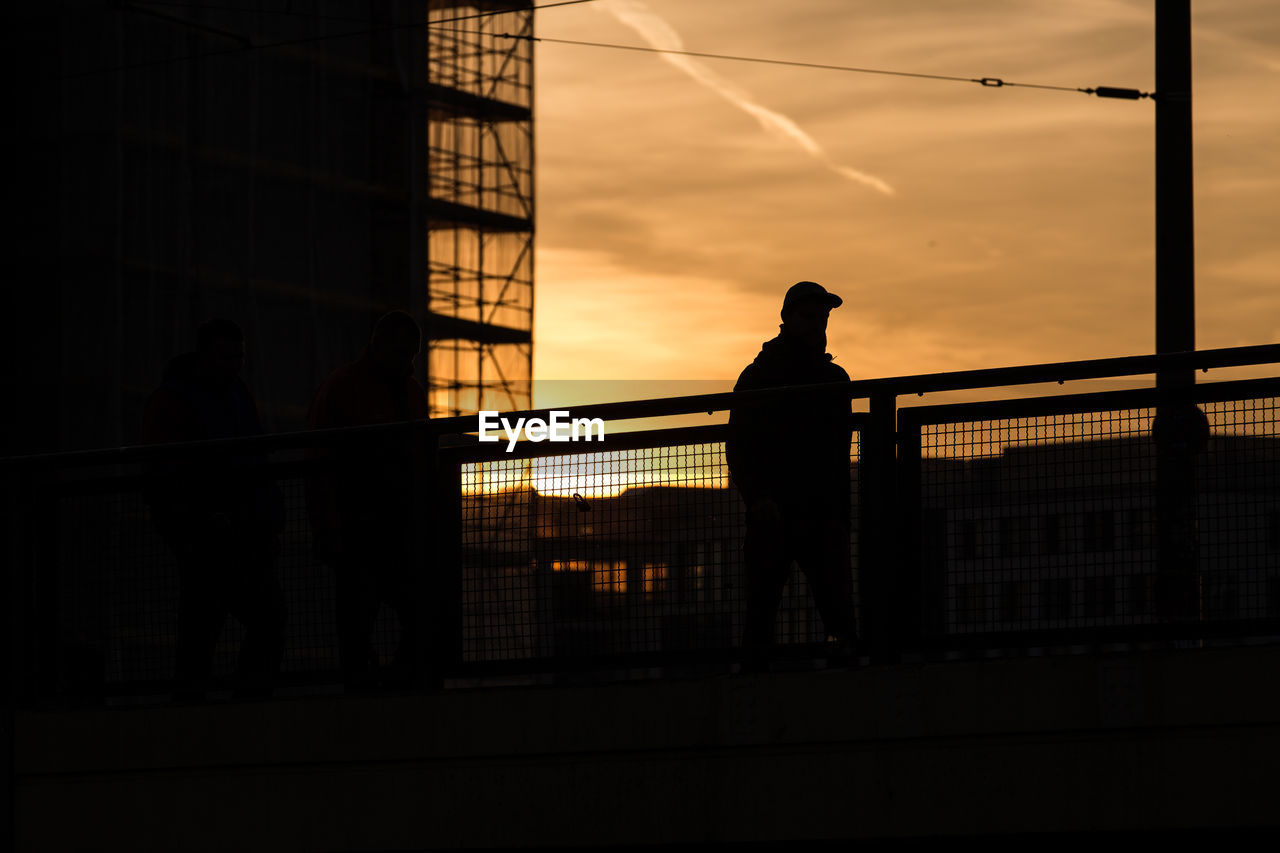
(220, 516)
(362, 507)
(790, 462)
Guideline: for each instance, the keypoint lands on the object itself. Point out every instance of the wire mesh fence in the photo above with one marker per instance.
(109, 600)
(1077, 515)
(561, 559)
(1051, 520)
(612, 553)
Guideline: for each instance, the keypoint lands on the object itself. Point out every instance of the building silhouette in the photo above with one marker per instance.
(299, 170)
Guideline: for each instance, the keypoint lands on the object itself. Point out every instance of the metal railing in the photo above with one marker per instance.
(1063, 520)
(631, 554)
(1037, 522)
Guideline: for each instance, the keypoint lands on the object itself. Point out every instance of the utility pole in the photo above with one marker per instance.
(1180, 429)
(1175, 220)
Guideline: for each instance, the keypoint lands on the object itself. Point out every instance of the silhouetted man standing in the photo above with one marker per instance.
(362, 508)
(218, 513)
(790, 462)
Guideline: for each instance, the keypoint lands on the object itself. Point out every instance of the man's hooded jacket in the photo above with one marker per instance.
(796, 451)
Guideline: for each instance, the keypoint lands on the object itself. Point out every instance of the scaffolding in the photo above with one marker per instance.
(479, 307)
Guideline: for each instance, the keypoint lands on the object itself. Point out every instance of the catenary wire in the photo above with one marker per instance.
(990, 82)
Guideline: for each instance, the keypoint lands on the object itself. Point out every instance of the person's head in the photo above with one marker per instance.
(805, 310)
(220, 350)
(396, 341)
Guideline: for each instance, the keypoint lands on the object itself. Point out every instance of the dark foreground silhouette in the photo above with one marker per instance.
(790, 462)
(363, 509)
(221, 518)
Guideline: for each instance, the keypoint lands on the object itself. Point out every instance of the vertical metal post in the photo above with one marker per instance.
(1178, 422)
(1175, 222)
(908, 535)
(18, 569)
(45, 676)
(446, 564)
(876, 569)
(419, 454)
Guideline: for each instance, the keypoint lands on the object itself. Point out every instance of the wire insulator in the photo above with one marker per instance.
(1113, 92)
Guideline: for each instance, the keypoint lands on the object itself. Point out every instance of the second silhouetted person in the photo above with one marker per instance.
(362, 507)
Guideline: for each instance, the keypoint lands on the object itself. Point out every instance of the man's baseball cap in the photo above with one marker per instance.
(808, 291)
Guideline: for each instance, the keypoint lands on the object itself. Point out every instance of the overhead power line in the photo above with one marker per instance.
(247, 44)
(990, 82)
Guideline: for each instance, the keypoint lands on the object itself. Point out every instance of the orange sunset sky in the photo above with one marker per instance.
(964, 226)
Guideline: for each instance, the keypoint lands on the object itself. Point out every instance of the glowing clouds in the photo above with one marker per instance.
(660, 35)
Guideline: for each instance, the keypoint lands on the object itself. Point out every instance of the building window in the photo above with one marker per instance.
(610, 576)
(1051, 534)
(1011, 601)
(703, 574)
(1099, 531)
(1015, 531)
(1055, 598)
(697, 580)
(655, 579)
(1099, 597)
(1142, 594)
(1137, 529)
(970, 603)
(1222, 596)
(968, 539)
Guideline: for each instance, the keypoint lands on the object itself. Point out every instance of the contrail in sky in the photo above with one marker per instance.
(659, 34)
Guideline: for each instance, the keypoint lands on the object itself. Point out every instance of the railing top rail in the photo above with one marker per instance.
(671, 406)
(1136, 365)
(943, 413)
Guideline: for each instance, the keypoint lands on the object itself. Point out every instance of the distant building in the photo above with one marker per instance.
(1064, 534)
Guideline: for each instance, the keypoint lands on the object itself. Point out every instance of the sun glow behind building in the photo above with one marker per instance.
(601, 474)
